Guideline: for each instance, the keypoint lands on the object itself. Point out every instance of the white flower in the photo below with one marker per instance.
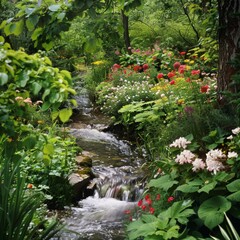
(185, 156)
(215, 155)
(236, 131)
(230, 137)
(198, 164)
(232, 155)
(180, 143)
(214, 166)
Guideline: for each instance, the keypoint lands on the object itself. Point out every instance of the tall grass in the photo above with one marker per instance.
(18, 206)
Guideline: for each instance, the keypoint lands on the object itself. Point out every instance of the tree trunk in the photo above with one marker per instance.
(229, 40)
(126, 32)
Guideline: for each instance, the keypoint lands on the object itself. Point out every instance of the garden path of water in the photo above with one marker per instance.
(117, 168)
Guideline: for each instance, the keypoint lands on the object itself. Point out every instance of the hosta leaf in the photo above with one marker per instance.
(212, 211)
(234, 186)
(164, 182)
(208, 187)
(234, 197)
(36, 87)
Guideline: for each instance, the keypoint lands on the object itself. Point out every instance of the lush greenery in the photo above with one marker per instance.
(157, 80)
(192, 143)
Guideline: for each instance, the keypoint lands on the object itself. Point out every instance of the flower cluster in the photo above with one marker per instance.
(214, 161)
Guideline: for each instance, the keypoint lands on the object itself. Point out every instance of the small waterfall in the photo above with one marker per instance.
(118, 181)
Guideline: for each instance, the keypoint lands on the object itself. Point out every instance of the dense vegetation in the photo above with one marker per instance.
(154, 67)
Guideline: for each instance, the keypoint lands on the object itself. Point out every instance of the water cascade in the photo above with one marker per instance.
(117, 183)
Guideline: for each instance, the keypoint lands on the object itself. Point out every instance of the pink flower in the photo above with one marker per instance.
(181, 69)
(176, 65)
(170, 199)
(198, 164)
(115, 67)
(145, 67)
(195, 72)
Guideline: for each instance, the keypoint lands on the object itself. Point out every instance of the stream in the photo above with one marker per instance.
(118, 181)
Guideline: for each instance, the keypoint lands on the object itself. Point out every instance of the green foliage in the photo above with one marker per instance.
(19, 206)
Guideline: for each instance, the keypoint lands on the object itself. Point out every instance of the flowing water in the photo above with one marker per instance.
(118, 179)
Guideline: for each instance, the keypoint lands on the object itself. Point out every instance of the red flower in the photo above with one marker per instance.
(170, 199)
(158, 197)
(182, 53)
(136, 68)
(143, 207)
(160, 75)
(115, 67)
(130, 218)
(204, 89)
(151, 210)
(176, 65)
(171, 74)
(147, 197)
(29, 186)
(140, 202)
(182, 68)
(188, 80)
(195, 72)
(172, 82)
(145, 67)
(149, 201)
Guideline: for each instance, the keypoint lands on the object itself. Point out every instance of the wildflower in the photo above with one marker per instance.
(171, 74)
(214, 166)
(180, 143)
(147, 197)
(176, 65)
(198, 164)
(158, 197)
(204, 89)
(172, 82)
(160, 75)
(151, 210)
(215, 155)
(185, 156)
(232, 155)
(18, 98)
(136, 68)
(127, 211)
(115, 67)
(140, 202)
(182, 68)
(28, 100)
(29, 186)
(236, 131)
(170, 199)
(182, 53)
(188, 110)
(149, 201)
(195, 72)
(145, 67)
(230, 137)
(143, 207)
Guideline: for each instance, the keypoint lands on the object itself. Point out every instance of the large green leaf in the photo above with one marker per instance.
(212, 211)
(36, 87)
(164, 182)
(234, 186)
(208, 187)
(191, 186)
(54, 7)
